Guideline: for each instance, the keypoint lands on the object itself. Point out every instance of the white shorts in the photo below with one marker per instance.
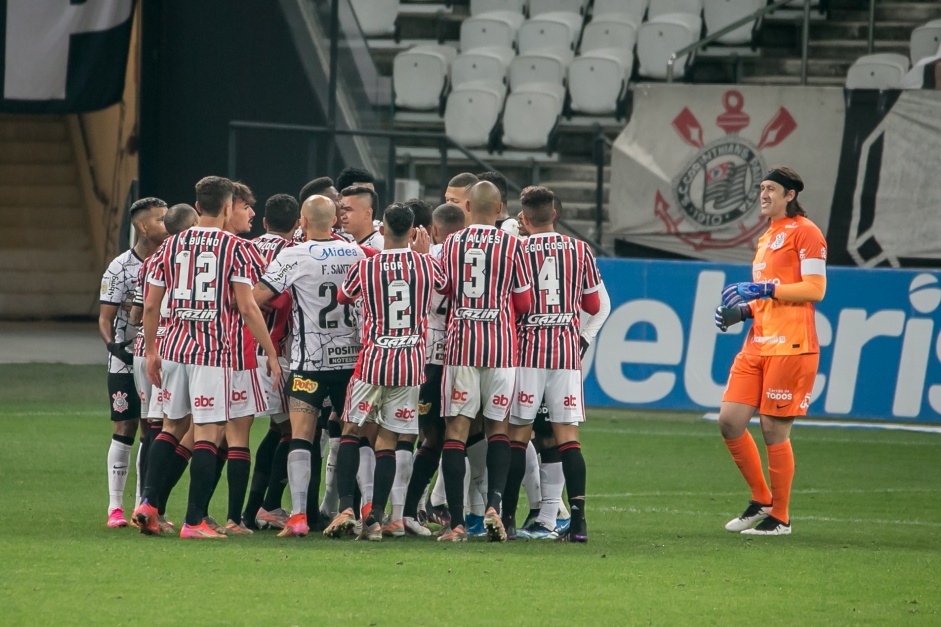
(393, 408)
(277, 401)
(560, 390)
(468, 389)
(247, 397)
(202, 391)
(151, 397)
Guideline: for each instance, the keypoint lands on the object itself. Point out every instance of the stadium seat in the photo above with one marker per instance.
(717, 14)
(669, 7)
(490, 30)
(486, 65)
(660, 37)
(488, 6)
(598, 80)
(925, 40)
(550, 31)
(633, 10)
(420, 76)
(472, 112)
(610, 31)
(376, 17)
(532, 115)
(540, 7)
(537, 67)
(877, 71)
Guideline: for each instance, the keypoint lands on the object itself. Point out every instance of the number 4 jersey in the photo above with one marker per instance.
(326, 333)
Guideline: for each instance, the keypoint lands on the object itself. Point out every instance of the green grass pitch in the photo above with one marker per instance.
(866, 547)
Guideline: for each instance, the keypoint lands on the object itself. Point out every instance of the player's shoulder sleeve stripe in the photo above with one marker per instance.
(270, 286)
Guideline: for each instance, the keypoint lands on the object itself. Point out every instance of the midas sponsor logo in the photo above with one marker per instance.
(779, 395)
(458, 396)
(424, 408)
(500, 400)
(570, 401)
(201, 402)
(389, 341)
(196, 315)
(527, 399)
(239, 396)
(549, 320)
(303, 385)
(404, 413)
(465, 313)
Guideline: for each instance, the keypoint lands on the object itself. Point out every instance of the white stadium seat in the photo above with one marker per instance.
(558, 31)
(487, 65)
(877, 71)
(420, 76)
(486, 6)
(609, 31)
(633, 10)
(536, 67)
(717, 14)
(376, 17)
(668, 7)
(539, 7)
(925, 40)
(660, 37)
(472, 112)
(598, 80)
(490, 30)
(531, 115)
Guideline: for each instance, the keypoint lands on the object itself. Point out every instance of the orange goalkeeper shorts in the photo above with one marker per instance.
(778, 385)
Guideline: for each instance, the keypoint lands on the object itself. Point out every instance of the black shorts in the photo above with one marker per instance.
(313, 387)
(541, 425)
(429, 398)
(125, 401)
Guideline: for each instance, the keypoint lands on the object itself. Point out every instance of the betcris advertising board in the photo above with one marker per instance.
(880, 347)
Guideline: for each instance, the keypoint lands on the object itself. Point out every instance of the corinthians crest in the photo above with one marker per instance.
(717, 189)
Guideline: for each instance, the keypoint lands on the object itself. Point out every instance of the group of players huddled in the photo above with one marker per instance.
(457, 325)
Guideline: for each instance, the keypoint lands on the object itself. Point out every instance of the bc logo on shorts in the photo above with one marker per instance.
(119, 402)
(303, 385)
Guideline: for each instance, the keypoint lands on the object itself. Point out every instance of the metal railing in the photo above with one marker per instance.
(872, 25)
(444, 144)
(705, 41)
(600, 148)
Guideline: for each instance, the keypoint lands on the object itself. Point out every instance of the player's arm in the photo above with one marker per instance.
(248, 308)
(344, 299)
(263, 293)
(106, 315)
(596, 318)
(522, 300)
(151, 320)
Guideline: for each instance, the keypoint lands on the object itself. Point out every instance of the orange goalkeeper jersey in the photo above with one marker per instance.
(790, 249)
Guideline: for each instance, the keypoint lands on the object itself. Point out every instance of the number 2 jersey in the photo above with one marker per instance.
(198, 267)
(397, 287)
(326, 333)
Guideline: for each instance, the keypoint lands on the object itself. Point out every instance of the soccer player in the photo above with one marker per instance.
(396, 288)
(567, 281)
(118, 286)
(488, 286)
(325, 344)
(352, 176)
(321, 186)
(774, 372)
(500, 181)
(358, 206)
(458, 188)
(203, 269)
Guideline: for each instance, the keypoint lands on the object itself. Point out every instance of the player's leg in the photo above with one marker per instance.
(248, 399)
(404, 457)
(475, 483)
(527, 396)
(329, 503)
(461, 401)
(739, 403)
(429, 453)
(563, 394)
(272, 515)
(125, 414)
(264, 454)
(496, 385)
(398, 419)
(305, 395)
(143, 387)
(181, 458)
(367, 466)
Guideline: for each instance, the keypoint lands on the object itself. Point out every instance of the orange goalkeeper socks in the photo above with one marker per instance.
(745, 453)
(781, 469)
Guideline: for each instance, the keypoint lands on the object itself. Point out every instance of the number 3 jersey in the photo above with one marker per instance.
(484, 266)
(326, 333)
(198, 267)
(397, 287)
(565, 269)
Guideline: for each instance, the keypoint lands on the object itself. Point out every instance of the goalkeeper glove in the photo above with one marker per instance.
(118, 350)
(727, 316)
(583, 345)
(737, 293)
(730, 295)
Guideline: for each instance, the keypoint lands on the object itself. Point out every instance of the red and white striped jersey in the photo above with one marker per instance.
(326, 334)
(484, 266)
(118, 285)
(140, 294)
(564, 269)
(244, 345)
(278, 321)
(198, 267)
(437, 320)
(397, 287)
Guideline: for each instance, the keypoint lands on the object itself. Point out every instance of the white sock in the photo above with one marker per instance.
(421, 501)
(553, 482)
(403, 472)
(323, 445)
(477, 459)
(531, 481)
(367, 471)
(467, 488)
(563, 511)
(119, 456)
(438, 497)
(298, 479)
(331, 499)
(137, 471)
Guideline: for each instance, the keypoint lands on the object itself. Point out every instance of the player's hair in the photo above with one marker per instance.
(538, 203)
(136, 212)
(795, 182)
(244, 193)
(497, 179)
(351, 175)
(315, 187)
(422, 211)
(212, 193)
(448, 217)
(281, 213)
(361, 190)
(179, 218)
(464, 179)
(398, 218)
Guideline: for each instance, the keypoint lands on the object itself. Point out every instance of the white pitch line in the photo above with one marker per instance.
(828, 519)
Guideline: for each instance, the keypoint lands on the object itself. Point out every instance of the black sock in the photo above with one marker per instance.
(221, 458)
(202, 480)
(264, 455)
(452, 465)
(347, 465)
(334, 429)
(514, 479)
(573, 467)
(181, 459)
(161, 459)
(498, 464)
(240, 466)
(147, 436)
(382, 483)
(313, 487)
(279, 475)
(423, 468)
